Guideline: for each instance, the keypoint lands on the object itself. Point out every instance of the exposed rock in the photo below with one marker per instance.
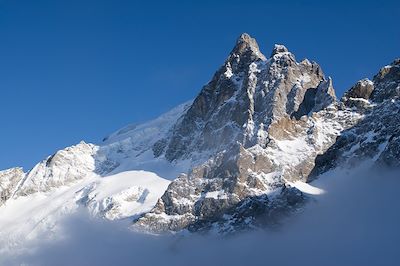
(242, 99)
(363, 89)
(391, 154)
(263, 121)
(387, 83)
(358, 96)
(376, 137)
(316, 99)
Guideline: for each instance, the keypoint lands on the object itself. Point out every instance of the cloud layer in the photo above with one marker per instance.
(354, 223)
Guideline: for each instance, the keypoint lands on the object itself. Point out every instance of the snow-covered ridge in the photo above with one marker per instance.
(124, 195)
(109, 180)
(122, 151)
(144, 135)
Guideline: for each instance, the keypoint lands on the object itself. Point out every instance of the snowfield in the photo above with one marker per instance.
(118, 179)
(118, 196)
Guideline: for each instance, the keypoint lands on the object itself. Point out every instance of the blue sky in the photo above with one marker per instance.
(78, 70)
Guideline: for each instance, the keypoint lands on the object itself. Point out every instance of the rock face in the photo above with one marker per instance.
(263, 121)
(387, 83)
(358, 96)
(246, 95)
(362, 89)
(376, 138)
(385, 86)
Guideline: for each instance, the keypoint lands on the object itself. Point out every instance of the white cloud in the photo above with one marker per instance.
(354, 223)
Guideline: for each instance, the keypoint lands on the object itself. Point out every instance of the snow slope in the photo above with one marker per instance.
(117, 179)
(117, 196)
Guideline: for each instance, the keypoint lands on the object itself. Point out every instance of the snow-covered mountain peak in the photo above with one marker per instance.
(243, 98)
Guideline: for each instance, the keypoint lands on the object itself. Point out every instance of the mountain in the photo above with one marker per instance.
(241, 155)
(244, 97)
(118, 179)
(263, 121)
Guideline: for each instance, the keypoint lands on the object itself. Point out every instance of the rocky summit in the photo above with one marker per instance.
(262, 121)
(236, 157)
(244, 97)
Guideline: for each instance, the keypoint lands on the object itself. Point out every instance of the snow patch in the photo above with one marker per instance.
(306, 188)
(220, 194)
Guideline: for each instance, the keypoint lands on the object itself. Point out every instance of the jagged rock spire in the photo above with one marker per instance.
(244, 96)
(246, 45)
(245, 52)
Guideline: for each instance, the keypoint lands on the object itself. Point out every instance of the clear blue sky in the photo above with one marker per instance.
(73, 70)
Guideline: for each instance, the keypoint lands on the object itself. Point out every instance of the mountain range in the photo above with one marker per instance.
(242, 155)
